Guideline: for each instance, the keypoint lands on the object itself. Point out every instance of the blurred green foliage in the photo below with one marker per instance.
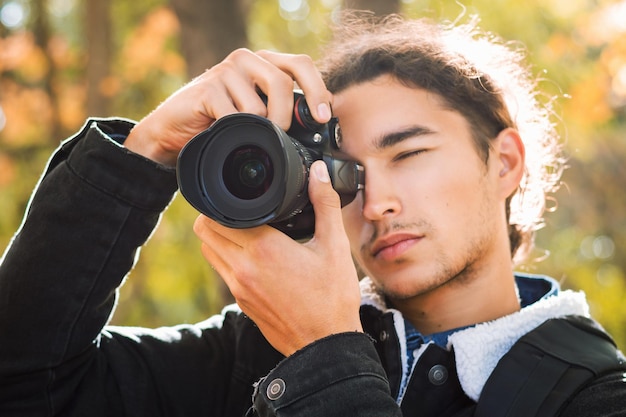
(577, 46)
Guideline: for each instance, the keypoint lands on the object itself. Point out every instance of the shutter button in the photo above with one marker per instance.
(275, 389)
(438, 375)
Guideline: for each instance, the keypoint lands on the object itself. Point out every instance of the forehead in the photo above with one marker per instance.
(370, 111)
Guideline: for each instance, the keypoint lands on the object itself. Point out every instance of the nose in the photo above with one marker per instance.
(380, 197)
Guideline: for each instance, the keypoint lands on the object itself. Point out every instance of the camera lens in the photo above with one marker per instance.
(245, 171)
(248, 172)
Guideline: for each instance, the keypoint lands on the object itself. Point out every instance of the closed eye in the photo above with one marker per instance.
(406, 155)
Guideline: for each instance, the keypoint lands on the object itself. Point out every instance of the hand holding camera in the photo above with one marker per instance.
(245, 171)
(230, 87)
(247, 166)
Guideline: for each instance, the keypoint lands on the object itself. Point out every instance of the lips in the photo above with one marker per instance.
(391, 247)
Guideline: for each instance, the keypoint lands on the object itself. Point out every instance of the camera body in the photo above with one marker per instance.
(245, 171)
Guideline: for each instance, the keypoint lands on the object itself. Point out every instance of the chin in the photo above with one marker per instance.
(403, 293)
(408, 283)
(401, 289)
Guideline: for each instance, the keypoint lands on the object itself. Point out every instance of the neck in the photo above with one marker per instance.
(462, 301)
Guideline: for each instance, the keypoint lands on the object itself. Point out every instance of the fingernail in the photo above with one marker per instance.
(321, 172)
(323, 111)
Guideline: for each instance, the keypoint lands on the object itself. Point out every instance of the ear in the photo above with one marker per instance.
(510, 158)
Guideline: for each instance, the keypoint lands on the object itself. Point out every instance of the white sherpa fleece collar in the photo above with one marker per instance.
(479, 348)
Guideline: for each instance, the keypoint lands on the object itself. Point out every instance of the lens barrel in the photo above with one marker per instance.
(244, 171)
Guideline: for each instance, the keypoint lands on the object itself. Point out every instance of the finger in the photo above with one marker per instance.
(218, 102)
(226, 90)
(244, 94)
(216, 247)
(238, 266)
(302, 69)
(214, 234)
(326, 203)
(232, 86)
(210, 248)
(230, 240)
(218, 250)
(275, 83)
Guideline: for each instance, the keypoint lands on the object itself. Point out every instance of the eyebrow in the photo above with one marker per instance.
(390, 139)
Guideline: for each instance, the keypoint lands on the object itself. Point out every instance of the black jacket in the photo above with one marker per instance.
(96, 204)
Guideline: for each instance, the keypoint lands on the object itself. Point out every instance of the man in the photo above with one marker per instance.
(458, 156)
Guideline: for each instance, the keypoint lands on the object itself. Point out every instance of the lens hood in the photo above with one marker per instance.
(206, 178)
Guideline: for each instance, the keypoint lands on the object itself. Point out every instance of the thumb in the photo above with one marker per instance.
(325, 200)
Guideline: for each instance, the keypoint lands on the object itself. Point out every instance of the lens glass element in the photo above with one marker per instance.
(248, 172)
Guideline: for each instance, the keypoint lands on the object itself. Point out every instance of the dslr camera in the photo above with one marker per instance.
(245, 171)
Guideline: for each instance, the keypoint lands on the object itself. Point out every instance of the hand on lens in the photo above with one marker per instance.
(295, 292)
(229, 87)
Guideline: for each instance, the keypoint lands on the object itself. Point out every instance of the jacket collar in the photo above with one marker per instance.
(479, 348)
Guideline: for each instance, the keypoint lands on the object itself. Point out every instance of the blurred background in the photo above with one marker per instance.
(64, 60)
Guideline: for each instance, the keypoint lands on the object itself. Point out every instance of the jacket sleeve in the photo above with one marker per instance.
(95, 205)
(340, 375)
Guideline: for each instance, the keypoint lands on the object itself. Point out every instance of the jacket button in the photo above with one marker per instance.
(384, 336)
(275, 389)
(438, 375)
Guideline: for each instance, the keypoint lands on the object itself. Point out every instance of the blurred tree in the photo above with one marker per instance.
(99, 60)
(210, 30)
(42, 36)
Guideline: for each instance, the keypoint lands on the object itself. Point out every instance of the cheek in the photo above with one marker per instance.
(465, 202)
(443, 197)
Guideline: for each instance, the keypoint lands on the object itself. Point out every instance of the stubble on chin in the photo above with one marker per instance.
(399, 283)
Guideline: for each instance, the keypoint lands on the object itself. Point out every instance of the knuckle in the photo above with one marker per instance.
(301, 59)
(331, 199)
(258, 242)
(226, 66)
(281, 80)
(237, 292)
(254, 107)
(261, 250)
(265, 52)
(239, 53)
(244, 287)
(240, 273)
(232, 63)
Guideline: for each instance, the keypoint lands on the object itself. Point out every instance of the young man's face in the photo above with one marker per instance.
(431, 212)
